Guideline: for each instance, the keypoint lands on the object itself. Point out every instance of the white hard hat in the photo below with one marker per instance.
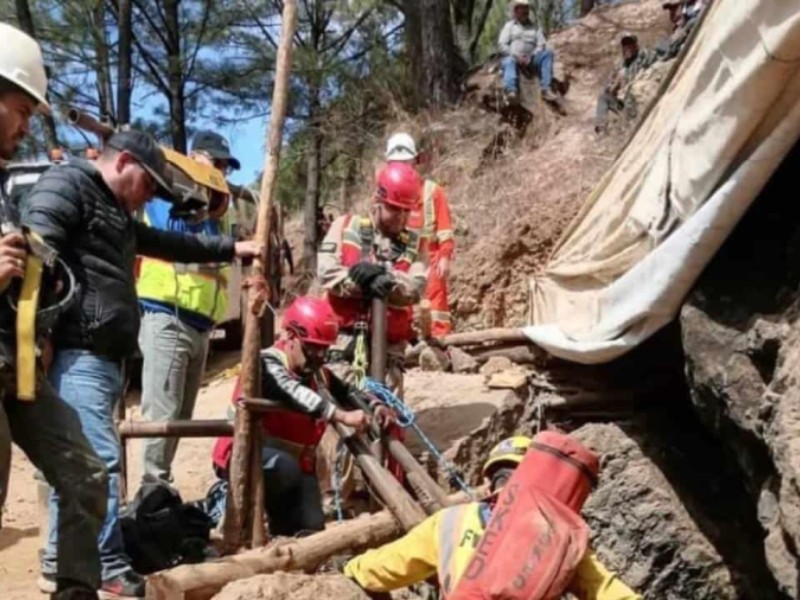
(401, 146)
(21, 63)
(516, 3)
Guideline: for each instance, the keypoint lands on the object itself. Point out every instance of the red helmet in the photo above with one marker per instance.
(399, 185)
(312, 320)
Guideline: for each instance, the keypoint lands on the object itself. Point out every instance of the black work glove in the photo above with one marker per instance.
(381, 286)
(364, 273)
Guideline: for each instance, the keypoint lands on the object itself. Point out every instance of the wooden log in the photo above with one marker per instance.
(521, 354)
(203, 581)
(430, 495)
(168, 429)
(377, 353)
(487, 336)
(240, 497)
(425, 319)
(391, 493)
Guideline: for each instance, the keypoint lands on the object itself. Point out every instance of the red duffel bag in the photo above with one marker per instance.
(535, 537)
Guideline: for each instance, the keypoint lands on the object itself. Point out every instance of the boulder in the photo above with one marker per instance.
(461, 361)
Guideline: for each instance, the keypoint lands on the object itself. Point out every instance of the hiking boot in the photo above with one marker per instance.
(512, 98)
(549, 95)
(47, 583)
(127, 585)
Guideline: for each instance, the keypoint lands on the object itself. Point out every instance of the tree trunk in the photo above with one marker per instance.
(177, 109)
(587, 6)
(462, 26)
(125, 66)
(313, 174)
(413, 39)
(25, 19)
(441, 65)
(105, 94)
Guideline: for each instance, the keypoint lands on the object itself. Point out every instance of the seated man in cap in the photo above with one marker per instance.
(525, 47)
(616, 95)
(181, 304)
(85, 211)
(684, 15)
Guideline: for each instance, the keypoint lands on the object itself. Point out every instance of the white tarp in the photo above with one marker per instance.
(727, 119)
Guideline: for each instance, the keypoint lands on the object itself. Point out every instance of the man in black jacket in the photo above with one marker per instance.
(47, 429)
(86, 212)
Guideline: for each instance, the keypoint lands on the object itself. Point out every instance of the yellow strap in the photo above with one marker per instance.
(360, 359)
(26, 329)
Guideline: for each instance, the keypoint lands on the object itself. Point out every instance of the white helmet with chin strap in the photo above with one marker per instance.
(21, 63)
(401, 146)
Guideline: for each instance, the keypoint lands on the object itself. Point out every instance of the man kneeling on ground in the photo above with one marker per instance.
(293, 373)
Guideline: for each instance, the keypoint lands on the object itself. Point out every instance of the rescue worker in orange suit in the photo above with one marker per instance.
(377, 256)
(433, 221)
(293, 373)
(446, 542)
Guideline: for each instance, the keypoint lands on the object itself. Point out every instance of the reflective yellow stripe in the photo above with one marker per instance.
(448, 530)
(26, 329)
(429, 214)
(444, 235)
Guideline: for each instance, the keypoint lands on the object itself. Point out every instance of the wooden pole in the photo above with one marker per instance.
(483, 337)
(377, 353)
(238, 515)
(391, 493)
(203, 581)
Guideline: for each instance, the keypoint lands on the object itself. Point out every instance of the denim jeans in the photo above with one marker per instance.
(92, 385)
(541, 63)
(174, 356)
(49, 431)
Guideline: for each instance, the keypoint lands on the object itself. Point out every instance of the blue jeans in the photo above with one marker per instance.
(541, 63)
(92, 386)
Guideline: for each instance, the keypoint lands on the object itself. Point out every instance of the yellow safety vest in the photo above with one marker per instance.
(199, 288)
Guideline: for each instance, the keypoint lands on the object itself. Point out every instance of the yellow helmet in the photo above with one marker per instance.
(510, 450)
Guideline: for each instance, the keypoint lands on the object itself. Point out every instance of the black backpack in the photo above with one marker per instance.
(160, 531)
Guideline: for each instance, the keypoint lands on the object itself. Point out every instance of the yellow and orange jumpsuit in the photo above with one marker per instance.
(434, 223)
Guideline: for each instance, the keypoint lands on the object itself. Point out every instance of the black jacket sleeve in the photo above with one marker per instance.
(278, 383)
(53, 209)
(348, 396)
(183, 247)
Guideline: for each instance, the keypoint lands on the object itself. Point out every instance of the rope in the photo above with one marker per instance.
(360, 356)
(408, 420)
(336, 480)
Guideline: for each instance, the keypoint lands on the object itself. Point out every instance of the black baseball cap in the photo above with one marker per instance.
(215, 146)
(148, 154)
